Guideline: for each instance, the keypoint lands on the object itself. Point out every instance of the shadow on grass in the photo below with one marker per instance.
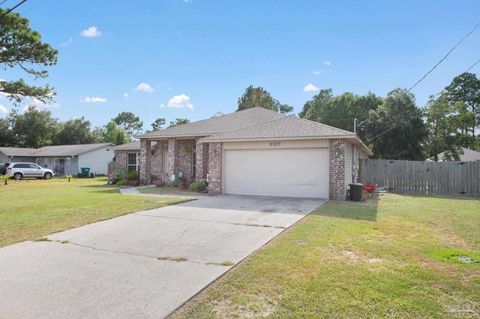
(350, 210)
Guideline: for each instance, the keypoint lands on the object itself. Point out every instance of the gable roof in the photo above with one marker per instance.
(69, 150)
(216, 125)
(282, 128)
(132, 146)
(256, 124)
(467, 156)
(17, 151)
(285, 128)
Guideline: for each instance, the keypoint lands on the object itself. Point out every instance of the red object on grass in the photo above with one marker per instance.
(371, 188)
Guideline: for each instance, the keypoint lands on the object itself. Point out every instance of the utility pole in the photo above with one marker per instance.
(355, 126)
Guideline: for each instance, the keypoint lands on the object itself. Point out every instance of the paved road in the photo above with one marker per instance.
(142, 265)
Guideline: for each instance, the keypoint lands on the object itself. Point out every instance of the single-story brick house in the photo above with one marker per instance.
(255, 152)
(127, 156)
(63, 159)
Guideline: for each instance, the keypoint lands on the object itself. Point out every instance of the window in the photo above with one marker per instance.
(132, 162)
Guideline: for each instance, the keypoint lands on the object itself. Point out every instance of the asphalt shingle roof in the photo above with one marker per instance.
(282, 128)
(128, 146)
(68, 150)
(220, 124)
(17, 151)
(467, 156)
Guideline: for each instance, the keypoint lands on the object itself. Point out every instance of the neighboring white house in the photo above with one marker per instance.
(465, 155)
(65, 159)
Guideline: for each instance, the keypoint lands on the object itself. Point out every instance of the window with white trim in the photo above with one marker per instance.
(132, 162)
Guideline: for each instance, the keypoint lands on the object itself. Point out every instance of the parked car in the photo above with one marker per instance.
(22, 170)
(3, 168)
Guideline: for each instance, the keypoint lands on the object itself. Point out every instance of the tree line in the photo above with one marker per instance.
(394, 126)
(36, 128)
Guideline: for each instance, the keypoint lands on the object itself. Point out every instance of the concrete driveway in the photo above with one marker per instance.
(142, 265)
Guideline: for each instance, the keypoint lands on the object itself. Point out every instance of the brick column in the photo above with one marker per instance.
(337, 169)
(145, 161)
(172, 159)
(201, 163)
(215, 155)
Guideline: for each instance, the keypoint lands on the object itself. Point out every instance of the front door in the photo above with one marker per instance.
(60, 166)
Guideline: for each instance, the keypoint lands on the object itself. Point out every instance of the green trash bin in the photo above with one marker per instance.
(85, 171)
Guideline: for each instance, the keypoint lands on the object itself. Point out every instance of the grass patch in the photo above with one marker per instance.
(31, 209)
(382, 258)
(456, 256)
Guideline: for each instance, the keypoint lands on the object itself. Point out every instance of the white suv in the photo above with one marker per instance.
(22, 170)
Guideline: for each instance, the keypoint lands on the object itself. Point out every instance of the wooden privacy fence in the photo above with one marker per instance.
(423, 178)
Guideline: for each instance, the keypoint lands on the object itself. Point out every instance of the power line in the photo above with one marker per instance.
(446, 55)
(3, 2)
(12, 8)
(473, 65)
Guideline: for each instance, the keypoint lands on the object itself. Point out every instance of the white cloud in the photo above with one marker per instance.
(3, 109)
(310, 88)
(180, 101)
(66, 43)
(94, 99)
(327, 63)
(144, 87)
(91, 32)
(316, 72)
(126, 94)
(39, 105)
(187, 1)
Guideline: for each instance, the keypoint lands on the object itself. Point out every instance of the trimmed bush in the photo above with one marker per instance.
(121, 182)
(132, 176)
(197, 186)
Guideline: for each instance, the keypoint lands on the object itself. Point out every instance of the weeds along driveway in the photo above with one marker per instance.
(142, 265)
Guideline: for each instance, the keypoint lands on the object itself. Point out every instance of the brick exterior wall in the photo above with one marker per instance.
(156, 164)
(172, 159)
(145, 161)
(121, 159)
(201, 163)
(215, 155)
(337, 169)
(185, 158)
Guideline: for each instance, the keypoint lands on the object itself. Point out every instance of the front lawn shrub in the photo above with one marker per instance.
(197, 186)
(121, 182)
(133, 176)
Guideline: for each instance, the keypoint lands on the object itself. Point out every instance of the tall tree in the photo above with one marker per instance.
(158, 124)
(397, 128)
(74, 131)
(22, 48)
(259, 97)
(442, 129)
(129, 122)
(115, 135)
(6, 133)
(340, 111)
(464, 93)
(179, 121)
(34, 128)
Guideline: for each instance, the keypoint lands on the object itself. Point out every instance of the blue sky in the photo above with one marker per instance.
(195, 58)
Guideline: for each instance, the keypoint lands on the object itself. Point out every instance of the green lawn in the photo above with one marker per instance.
(31, 209)
(396, 257)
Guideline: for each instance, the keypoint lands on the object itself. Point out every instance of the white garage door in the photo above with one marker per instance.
(277, 172)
